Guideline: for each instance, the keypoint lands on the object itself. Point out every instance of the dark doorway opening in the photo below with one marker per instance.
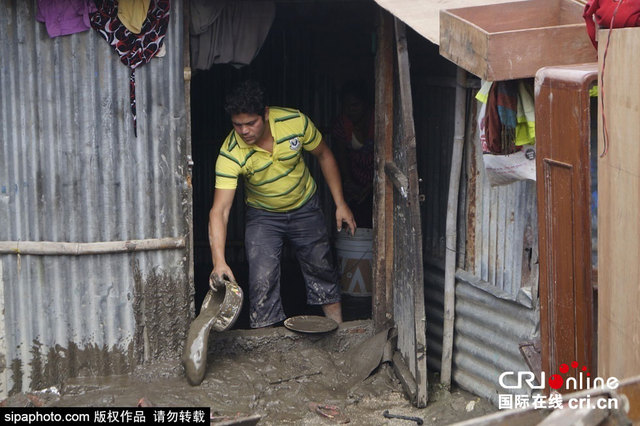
(312, 48)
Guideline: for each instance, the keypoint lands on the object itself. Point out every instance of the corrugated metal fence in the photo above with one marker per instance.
(117, 291)
(496, 286)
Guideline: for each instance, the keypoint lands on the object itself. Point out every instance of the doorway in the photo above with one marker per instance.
(312, 48)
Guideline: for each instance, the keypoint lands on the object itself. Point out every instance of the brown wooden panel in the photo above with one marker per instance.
(618, 209)
(564, 195)
(559, 299)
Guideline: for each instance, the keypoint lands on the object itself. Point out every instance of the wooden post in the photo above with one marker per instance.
(383, 196)
(408, 280)
(451, 228)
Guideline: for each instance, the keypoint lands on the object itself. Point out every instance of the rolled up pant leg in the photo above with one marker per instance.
(308, 234)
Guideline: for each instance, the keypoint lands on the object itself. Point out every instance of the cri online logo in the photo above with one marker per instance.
(556, 381)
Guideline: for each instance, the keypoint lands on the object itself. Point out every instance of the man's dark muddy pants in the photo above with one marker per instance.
(265, 234)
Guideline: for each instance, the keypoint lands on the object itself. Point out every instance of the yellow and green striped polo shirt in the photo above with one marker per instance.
(279, 181)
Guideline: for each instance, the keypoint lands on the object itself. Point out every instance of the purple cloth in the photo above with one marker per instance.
(63, 17)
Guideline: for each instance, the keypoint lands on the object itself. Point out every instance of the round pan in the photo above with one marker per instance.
(310, 324)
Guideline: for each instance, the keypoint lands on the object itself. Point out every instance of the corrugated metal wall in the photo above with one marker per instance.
(492, 316)
(487, 334)
(500, 244)
(72, 171)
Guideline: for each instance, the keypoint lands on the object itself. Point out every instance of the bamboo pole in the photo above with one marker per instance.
(54, 248)
(451, 228)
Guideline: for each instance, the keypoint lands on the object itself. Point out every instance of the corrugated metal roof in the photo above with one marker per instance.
(423, 16)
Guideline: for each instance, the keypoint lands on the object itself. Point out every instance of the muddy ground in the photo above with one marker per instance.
(279, 375)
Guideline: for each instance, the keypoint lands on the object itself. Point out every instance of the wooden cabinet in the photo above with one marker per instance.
(564, 199)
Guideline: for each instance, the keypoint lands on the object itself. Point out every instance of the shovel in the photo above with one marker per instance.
(219, 311)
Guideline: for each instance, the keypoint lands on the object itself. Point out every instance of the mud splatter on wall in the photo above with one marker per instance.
(16, 370)
(162, 309)
(52, 366)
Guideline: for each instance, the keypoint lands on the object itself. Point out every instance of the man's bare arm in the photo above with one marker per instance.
(218, 220)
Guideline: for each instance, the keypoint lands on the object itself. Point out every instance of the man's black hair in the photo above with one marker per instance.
(247, 98)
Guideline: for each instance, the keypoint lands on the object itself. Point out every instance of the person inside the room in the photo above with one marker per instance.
(266, 148)
(352, 140)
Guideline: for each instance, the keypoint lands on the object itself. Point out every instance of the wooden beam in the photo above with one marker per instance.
(452, 228)
(399, 180)
(404, 375)
(417, 274)
(382, 299)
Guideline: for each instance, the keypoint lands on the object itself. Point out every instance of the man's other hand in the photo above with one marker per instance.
(344, 215)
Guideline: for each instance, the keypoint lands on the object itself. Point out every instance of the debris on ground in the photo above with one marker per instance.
(331, 412)
(274, 374)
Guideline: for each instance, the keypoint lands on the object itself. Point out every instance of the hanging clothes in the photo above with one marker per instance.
(64, 17)
(502, 107)
(132, 14)
(506, 118)
(526, 116)
(134, 50)
(228, 32)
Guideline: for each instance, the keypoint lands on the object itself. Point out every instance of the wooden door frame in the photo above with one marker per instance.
(396, 185)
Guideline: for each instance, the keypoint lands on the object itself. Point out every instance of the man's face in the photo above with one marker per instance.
(250, 127)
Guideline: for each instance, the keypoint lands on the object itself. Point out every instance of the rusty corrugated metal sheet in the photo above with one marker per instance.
(501, 229)
(71, 171)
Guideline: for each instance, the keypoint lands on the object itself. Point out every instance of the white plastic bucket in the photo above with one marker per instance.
(355, 255)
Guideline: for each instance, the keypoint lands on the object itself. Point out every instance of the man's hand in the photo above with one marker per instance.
(218, 275)
(331, 175)
(343, 214)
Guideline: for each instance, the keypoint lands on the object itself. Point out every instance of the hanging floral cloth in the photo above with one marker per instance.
(134, 49)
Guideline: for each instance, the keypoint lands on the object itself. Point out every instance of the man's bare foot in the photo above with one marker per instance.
(333, 311)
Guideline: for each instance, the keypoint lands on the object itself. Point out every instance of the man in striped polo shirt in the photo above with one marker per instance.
(266, 147)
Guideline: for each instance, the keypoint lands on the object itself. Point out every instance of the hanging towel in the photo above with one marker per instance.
(132, 14)
(134, 49)
(526, 117)
(64, 17)
(227, 32)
